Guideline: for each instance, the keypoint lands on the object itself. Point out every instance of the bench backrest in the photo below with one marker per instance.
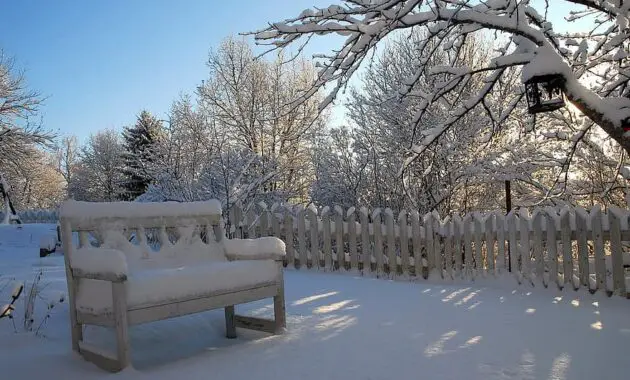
(141, 229)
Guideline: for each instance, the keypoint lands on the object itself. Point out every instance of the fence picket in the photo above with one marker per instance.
(416, 242)
(429, 246)
(524, 254)
(252, 222)
(565, 236)
(580, 223)
(366, 248)
(514, 248)
(404, 242)
(288, 237)
(447, 228)
(264, 220)
(437, 245)
(378, 240)
(391, 243)
(539, 269)
(615, 215)
(457, 245)
(236, 221)
(501, 254)
(275, 219)
(478, 269)
(468, 249)
(301, 226)
(598, 248)
(489, 226)
(552, 249)
(339, 247)
(352, 238)
(314, 224)
(326, 243)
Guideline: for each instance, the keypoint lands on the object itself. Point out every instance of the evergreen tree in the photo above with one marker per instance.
(139, 144)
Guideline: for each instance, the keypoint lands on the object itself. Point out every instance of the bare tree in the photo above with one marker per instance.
(66, 157)
(250, 101)
(19, 138)
(98, 176)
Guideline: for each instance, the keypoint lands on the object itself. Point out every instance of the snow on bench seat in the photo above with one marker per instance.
(155, 286)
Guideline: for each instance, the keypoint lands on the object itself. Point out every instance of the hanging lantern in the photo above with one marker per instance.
(544, 93)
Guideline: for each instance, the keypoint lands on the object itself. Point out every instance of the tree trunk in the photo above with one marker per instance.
(9, 210)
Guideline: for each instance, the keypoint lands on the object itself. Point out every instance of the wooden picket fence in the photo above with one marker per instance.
(569, 247)
(37, 216)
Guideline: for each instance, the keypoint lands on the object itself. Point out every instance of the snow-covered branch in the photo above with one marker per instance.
(593, 62)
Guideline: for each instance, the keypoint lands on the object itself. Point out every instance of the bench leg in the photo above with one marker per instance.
(76, 331)
(121, 323)
(279, 311)
(230, 324)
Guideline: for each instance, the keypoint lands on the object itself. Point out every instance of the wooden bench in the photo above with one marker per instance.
(129, 263)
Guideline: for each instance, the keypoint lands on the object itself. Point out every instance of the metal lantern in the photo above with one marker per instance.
(544, 93)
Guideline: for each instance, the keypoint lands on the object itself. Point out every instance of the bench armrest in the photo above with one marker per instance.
(99, 264)
(264, 248)
(103, 276)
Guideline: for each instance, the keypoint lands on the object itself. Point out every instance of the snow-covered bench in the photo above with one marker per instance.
(137, 263)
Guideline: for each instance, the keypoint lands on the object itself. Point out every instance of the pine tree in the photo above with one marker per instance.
(139, 144)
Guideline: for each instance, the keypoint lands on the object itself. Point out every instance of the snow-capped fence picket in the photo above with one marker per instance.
(569, 247)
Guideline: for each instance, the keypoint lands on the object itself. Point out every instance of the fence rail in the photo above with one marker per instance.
(564, 247)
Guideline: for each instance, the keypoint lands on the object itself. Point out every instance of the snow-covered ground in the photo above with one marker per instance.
(339, 327)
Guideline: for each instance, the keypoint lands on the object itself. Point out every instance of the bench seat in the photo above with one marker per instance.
(157, 286)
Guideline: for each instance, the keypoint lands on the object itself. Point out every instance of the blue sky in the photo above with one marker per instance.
(100, 62)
